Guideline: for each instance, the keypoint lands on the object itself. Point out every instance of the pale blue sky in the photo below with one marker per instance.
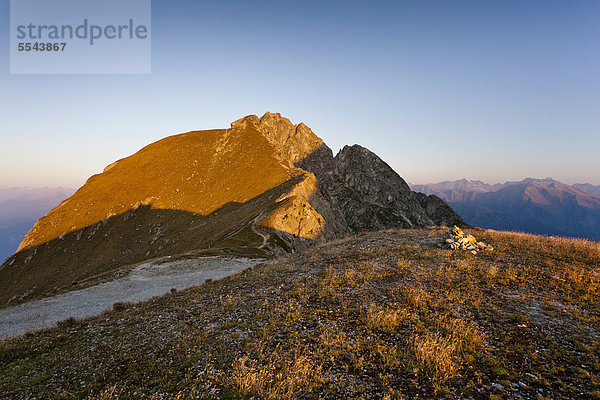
(441, 90)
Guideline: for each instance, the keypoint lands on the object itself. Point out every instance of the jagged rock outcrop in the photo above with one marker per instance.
(378, 197)
(367, 192)
(308, 209)
(439, 212)
(292, 142)
(262, 187)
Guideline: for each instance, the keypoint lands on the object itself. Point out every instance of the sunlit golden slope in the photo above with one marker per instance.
(196, 172)
(233, 190)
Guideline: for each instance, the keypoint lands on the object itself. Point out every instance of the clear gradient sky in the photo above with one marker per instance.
(494, 90)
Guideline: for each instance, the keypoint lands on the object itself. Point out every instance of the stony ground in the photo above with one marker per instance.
(143, 282)
(385, 315)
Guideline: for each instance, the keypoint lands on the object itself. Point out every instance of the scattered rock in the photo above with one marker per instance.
(456, 239)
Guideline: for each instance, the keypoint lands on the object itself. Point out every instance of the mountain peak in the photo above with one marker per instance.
(264, 186)
(542, 181)
(293, 142)
(356, 149)
(375, 182)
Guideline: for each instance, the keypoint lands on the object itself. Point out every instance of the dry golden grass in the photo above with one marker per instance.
(384, 315)
(274, 375)
(551, 246)
(107, 394)
(382, 319)
(436, 355)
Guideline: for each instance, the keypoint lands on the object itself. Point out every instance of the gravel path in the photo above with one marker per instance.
(143, 282)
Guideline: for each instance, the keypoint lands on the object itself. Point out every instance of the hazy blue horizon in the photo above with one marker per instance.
(494, 91)
(76, 187)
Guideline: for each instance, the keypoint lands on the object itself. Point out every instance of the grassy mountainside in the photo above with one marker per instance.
(264, 185)
(79, 258)
(379, 315)
(196, 172)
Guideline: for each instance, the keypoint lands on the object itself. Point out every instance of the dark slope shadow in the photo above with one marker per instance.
(141, 234)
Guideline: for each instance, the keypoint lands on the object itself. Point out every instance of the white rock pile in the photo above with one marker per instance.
(456, 239)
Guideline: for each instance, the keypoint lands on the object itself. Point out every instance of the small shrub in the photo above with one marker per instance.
(71, 321)
(121, 305)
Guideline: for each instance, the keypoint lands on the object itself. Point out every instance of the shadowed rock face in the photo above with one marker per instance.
(439, 212)
(309, 211)
(264, 186)
(364, 192)
(378, 197)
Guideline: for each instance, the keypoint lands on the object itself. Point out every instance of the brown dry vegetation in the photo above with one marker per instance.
(380, 315)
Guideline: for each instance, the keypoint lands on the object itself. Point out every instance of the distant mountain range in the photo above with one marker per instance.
(594, 189)
(541, 206)
(20, 207)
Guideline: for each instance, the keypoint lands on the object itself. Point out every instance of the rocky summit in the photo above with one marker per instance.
(262, 187)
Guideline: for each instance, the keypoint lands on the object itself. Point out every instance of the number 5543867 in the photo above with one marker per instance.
(42, 46)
